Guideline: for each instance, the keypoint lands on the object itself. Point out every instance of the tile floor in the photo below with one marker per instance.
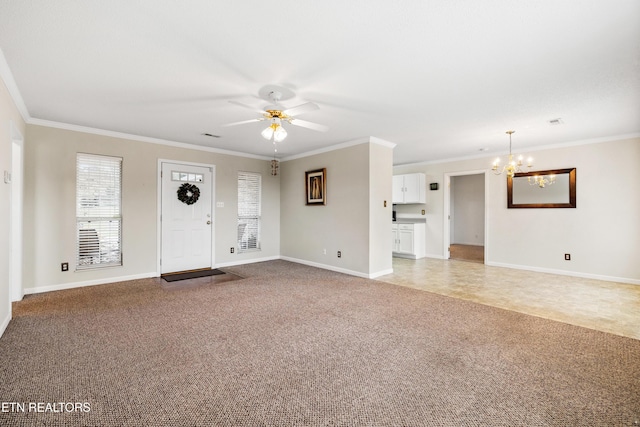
(596, 304)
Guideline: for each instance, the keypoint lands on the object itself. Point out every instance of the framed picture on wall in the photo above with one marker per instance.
(315, 183)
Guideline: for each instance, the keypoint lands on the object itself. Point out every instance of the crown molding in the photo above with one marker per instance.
(7, 76)
(365, 140)
(122, 135)
(485, 154)
(12, 87)
(383, 142)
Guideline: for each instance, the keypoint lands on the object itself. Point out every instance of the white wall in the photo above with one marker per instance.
(49, 205)
(347, 223)
(467, 218)
(602, 234)
(9, 115)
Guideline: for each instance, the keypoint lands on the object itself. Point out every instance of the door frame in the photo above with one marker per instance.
(17, 196)
(159, 207)
(446, 238)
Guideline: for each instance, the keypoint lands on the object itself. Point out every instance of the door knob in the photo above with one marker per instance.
(208, 222)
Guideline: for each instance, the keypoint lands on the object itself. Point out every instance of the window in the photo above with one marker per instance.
(186, 176)
(98, 212)
(249, 195)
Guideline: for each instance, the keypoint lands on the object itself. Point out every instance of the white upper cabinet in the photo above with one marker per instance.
(409, 188)
(398, 189)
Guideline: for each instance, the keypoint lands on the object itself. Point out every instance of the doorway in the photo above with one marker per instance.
(465, 216)
(186, 217)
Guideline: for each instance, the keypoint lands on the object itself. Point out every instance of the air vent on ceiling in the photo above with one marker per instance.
(555, 122)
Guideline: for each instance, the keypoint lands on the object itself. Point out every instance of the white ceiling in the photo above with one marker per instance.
(440, 78)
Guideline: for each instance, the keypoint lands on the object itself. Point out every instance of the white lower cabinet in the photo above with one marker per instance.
(408, 240)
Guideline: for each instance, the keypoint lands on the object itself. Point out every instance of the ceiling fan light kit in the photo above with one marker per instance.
(275, 131)
(268, 132)
(276, 115)
(279, 134)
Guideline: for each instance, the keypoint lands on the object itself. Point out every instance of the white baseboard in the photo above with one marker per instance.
(435, 256)
(566, 273)
(403, 255)
(62, 286)
(337, 269)
(5, 323)
(246, 261)
(380, 273)
(468, 243)
(311, 264)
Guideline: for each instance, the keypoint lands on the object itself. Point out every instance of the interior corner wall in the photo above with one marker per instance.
(340, 225)
(9, 115)
(602, 233)
(49, 205)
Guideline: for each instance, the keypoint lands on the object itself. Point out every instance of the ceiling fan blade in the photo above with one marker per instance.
(248, 107)
(301, 109)
(309, 125)
(242, 122)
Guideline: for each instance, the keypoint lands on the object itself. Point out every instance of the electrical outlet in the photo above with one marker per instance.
(64, 266)
(233, 249)
(567, 257)
(423, 211)
(324, 252)
(385, 203)
(339, 254)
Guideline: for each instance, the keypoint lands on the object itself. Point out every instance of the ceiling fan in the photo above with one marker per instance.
(276, 115)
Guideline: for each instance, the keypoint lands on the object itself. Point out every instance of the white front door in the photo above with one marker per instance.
(187, 223)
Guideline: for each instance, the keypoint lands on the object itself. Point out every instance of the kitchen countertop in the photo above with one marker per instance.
(410, 220)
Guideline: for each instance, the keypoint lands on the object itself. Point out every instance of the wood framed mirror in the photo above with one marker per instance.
(525, 191)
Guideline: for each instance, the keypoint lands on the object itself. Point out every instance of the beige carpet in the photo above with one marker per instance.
(293, 345)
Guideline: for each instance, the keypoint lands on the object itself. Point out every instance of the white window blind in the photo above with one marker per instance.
(249, 211)
(98, 211)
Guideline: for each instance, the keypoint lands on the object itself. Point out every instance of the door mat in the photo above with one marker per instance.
(191, 275)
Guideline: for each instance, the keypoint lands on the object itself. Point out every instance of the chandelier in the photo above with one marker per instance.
(542, 181)
(512, 167)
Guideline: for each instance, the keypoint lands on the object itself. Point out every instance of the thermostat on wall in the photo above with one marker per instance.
(433, 185)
